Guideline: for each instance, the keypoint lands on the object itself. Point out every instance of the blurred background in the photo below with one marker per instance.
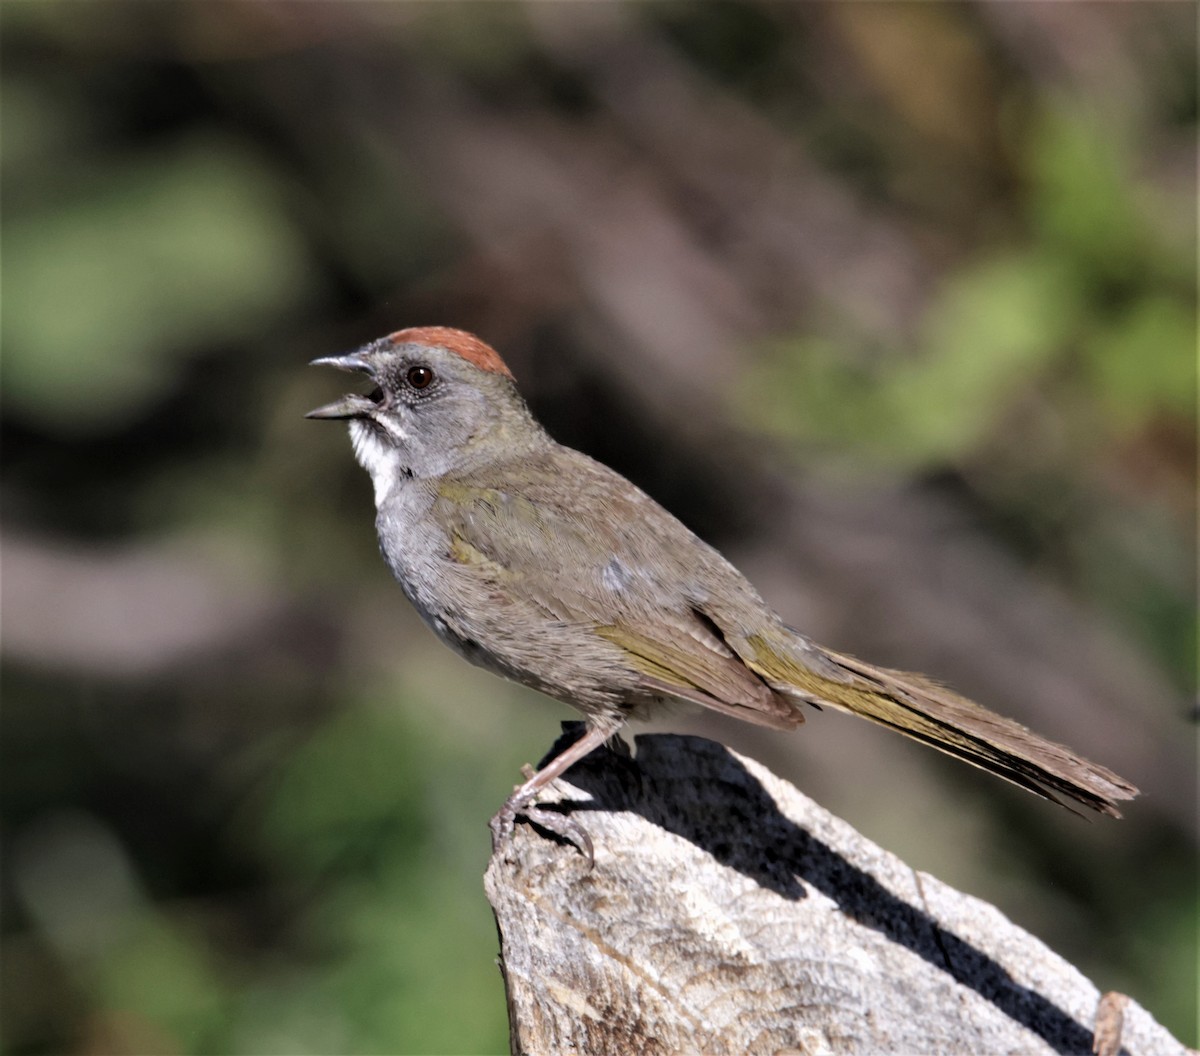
(894, 303)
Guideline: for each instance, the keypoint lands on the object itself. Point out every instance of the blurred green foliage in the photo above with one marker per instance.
(1092, 301)
(343, 822)
(125, 267)
(263, 831)
(1096, 310)
(992, 325)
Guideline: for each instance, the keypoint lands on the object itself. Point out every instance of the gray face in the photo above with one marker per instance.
(430, 412)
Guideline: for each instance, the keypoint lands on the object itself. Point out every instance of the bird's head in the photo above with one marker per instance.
(442, 400)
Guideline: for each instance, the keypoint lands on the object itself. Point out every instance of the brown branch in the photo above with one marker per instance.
(728, 913)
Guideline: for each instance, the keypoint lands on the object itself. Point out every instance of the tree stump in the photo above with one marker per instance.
(728, 913)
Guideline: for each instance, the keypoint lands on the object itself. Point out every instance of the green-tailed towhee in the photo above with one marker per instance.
(549, 568)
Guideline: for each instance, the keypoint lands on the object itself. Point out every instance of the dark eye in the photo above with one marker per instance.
(419, 377)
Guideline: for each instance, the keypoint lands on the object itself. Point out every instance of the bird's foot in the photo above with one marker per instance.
(580, 740)
(553, 821)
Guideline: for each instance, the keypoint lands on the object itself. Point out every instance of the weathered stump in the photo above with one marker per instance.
(728, 913)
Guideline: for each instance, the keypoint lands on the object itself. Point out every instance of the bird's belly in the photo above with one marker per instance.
(498, 630)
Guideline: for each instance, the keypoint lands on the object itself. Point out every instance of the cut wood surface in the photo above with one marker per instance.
(728, 913)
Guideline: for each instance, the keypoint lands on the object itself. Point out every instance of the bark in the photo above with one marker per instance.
(728, 913)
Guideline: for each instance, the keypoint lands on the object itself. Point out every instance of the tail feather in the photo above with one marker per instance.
(927, 712)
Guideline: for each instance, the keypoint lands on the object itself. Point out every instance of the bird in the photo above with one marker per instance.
(546, 567)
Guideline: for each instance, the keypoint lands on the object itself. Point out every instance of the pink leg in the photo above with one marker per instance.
(521, 801)
(592, 739)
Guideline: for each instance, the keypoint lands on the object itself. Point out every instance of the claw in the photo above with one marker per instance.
(502, 825)
(521, 802)
(561, 825)
(566, 827)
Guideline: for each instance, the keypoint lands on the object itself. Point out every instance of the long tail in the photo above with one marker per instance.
(921, 709)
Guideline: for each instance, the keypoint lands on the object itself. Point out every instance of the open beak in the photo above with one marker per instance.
(352, 405)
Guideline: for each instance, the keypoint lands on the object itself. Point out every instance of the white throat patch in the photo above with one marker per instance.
(379, 459)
